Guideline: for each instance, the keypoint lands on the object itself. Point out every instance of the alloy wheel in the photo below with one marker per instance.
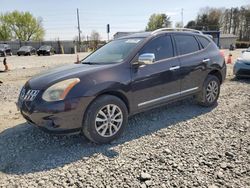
(108, 120)
(212, 91)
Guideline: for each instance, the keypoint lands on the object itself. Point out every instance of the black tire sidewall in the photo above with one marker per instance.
(90, 116)
(203, 99)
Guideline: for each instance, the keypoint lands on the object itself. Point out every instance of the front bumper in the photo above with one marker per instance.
(22, 53)
(60, 117)
(42, 52)
(242, 69)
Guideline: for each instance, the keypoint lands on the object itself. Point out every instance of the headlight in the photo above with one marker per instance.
(59, 91)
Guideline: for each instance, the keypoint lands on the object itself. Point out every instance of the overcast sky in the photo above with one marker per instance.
(59, 17)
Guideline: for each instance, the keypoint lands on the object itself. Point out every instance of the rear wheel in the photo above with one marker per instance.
(210, 91)
(105, 119)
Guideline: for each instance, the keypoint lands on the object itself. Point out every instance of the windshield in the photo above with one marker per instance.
(113, 52)
(44, 48)
(25, 48)
(2, 46)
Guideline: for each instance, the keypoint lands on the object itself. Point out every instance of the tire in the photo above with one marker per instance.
(210, 92)
(98, 127)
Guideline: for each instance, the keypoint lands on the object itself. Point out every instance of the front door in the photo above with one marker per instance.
(159, 82)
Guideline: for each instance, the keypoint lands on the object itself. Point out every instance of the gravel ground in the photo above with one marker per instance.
(179, 145)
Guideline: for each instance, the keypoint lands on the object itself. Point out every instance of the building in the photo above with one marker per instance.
(226, 40)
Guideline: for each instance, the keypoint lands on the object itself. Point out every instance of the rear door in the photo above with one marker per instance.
(158, 82)
(193, 62)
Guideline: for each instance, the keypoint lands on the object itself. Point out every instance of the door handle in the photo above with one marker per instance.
(205, 60)
(174, 68)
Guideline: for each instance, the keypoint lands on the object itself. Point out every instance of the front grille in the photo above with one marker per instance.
(28, 95)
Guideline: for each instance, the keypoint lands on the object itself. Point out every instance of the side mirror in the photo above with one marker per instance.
(147, 58)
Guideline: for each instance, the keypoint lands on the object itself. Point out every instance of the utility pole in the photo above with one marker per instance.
(79, 29)
(182, 23)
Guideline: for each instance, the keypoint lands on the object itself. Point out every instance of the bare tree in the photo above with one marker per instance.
(94, 39)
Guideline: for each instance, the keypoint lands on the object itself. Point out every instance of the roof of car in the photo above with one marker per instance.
(162, 30)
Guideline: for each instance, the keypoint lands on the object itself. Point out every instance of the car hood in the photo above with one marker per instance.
(48, 78)
(2, 49)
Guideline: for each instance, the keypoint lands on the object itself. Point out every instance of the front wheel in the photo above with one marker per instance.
(210, 91)
(105, 119)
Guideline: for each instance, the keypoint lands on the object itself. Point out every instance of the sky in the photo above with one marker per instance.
(60, 20)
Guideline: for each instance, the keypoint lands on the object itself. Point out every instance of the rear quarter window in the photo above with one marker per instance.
(186, 44)
(204, 42)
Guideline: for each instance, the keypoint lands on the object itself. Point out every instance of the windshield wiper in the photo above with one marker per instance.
(90, 63)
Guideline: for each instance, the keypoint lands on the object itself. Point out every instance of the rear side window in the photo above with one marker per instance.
(186, 44)
(204, 42)
(160, 46)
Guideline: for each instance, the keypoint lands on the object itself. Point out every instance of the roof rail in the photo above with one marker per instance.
(176, 29)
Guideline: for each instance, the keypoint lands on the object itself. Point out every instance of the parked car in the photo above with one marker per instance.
(45, 50)
(242, 65)
(5, 50)
(26, 50)
(124, 77)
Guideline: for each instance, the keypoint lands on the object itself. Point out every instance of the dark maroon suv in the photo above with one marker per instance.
(126, 76)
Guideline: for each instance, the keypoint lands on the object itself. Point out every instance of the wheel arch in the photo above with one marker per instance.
(117, 94)
(216, 73)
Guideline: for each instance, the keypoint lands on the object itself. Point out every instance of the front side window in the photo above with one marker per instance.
(161, 47)
(186, 44)
(114, 52)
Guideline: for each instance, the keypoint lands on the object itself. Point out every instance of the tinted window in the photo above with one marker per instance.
(186, 44)
(204, 42)
(161, 47)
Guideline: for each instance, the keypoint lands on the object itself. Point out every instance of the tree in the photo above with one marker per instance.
(207, 19)
(23, 25)
(94, 39)
(5, 32)
(178, 25)
(191, 24)
(157, 21)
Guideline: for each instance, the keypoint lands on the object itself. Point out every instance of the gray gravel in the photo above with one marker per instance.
(166, 147)
(179, 145)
